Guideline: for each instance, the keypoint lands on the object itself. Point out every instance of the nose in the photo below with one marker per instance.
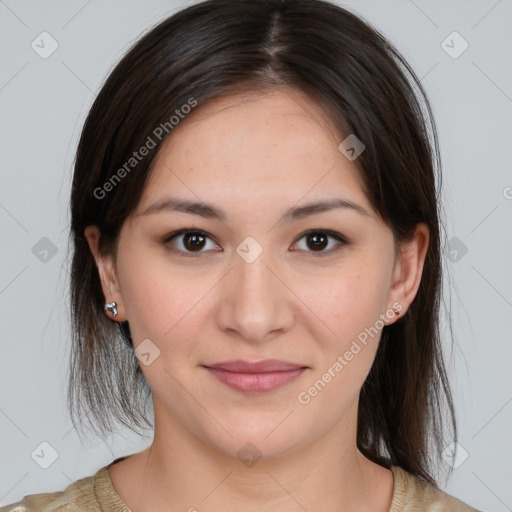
(255, 303)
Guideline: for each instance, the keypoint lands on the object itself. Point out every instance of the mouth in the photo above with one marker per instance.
(255, 377)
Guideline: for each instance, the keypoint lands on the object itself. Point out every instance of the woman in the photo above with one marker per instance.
(257, 250)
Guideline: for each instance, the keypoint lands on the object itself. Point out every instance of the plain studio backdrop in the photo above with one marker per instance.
(460, 49)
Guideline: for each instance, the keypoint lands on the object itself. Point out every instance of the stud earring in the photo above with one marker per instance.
(112, 308)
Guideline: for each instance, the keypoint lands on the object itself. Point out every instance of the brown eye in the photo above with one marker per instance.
(317, 241)
(193, 241)
(188, 241)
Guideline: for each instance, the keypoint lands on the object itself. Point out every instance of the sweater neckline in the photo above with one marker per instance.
(107, 495)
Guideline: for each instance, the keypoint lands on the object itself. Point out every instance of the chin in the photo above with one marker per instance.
(255, 438)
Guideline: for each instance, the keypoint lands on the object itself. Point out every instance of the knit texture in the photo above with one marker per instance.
(96, 493)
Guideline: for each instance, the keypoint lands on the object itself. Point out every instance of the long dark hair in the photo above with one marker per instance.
(218, 48)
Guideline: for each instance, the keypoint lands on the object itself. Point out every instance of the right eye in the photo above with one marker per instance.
(190, 240)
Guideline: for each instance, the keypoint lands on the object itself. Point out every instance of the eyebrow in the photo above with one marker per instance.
(209, 211)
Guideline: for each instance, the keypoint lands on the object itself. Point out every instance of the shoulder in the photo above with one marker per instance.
(93, 493)
(411, 494)
(79, 493)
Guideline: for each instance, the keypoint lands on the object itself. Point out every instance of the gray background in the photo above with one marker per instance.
(43, 103)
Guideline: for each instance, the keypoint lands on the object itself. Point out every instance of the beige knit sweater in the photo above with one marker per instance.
(96, 493)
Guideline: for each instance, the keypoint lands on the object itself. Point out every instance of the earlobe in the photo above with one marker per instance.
(107, 273)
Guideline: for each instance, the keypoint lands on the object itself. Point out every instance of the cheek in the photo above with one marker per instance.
(153, 294)
(347, 302)
(162, 308)
(350, 308)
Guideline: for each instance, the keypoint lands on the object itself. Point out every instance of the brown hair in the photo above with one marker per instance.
(219, 47)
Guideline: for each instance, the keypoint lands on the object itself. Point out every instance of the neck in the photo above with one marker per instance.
(179, 471)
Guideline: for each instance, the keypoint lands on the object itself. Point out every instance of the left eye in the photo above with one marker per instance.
(192, 241)
(318, 240)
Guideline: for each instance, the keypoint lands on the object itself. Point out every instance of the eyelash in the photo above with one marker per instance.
(343, 241)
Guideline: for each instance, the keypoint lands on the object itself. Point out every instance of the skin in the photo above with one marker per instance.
(255, 156)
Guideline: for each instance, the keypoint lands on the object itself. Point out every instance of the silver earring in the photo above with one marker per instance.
(112, 308)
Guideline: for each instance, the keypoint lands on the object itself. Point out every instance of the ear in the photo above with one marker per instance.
(107, 272)
(408, 269)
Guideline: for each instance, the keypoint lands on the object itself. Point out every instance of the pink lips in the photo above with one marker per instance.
(255, 377)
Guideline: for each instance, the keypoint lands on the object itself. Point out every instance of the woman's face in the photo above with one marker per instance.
(254, 285)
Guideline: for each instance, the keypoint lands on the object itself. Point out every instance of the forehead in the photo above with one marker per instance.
(247, 123)
(254, 147)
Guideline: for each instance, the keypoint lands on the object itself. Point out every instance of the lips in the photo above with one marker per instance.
(267, 365)
(255, 377)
